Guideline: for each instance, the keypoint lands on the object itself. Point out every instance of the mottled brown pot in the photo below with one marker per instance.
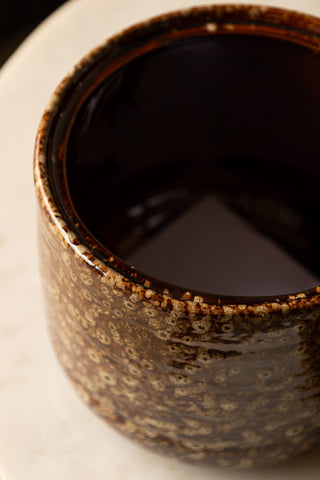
(208, 379)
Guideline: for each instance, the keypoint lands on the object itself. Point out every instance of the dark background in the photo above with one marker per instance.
(18, 18)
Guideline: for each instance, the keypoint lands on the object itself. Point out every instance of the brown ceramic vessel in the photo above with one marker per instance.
(221, 99)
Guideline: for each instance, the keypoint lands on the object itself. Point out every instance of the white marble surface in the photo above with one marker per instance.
(45, 430)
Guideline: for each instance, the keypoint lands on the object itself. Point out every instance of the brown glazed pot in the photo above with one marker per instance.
(221, 99)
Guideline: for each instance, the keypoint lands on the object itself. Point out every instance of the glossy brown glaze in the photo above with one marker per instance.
(230, 381)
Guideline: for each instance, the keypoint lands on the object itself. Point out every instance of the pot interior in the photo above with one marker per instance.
(236, 116)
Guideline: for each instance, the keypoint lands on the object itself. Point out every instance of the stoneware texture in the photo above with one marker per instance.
(231, 381)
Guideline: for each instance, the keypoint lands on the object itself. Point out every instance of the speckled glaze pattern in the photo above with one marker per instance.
(226, 381)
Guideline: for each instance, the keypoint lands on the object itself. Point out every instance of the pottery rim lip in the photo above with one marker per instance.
(111, 268)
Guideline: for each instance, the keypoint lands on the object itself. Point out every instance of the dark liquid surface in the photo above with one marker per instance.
(236, 116)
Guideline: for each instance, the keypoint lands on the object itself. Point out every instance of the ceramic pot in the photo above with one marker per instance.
(221, 99)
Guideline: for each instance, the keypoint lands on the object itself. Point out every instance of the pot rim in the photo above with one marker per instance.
(288, 24)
